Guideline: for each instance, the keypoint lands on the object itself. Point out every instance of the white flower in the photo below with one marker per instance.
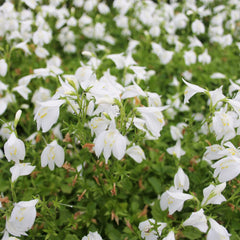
(47, 114)
(22, 218)
(3, 68)
(23, 90)
(222, 125)
(110, 141)
(147, 232)
(170, 236)
(212, 194)
(190, 57)
(14, 149)
(216, 95)
(132, 91)
(191, 90)
(136, 153)
(92, 236)
(204, 58)
(31, 3)
(181, 181)
(173, 199)
(217, 232)
(98, 125)
(227, 168)
(197, 220)
(21, 169)
(217, 75)
(176, 150)
(103, 8)
(198, 27)
(51, 155)
(213, 152)
(153, 118)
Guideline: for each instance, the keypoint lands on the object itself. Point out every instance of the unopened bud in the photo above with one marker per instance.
(17, 117)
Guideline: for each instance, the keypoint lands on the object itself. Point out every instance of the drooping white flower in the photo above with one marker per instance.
(153, 118)
(216, 95)
(213, 152)
(227, 168)
(181, 181)
(92, 236)
(110, 141)
(191, 90)
(23, 90)
(136, 153)
(6, 236)
(22, 218)
(3, 67)
(198, 27)
(176, 150)
(197, 220)
(170, 236)
(217, 231)
(164, 56)
(98, 124)
(132, 91)
(190, 57)
(212, 194)
(204, 58)
(217, 75)
(21, 169)
(146, 228)
(223, 125)
(173, 199)
(31, 3)
(51, 155)
(14, 149)
(47, 114)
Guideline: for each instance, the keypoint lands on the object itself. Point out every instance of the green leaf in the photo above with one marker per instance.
(71, 237)
(192, 233)
(155, 183)
(112, 233)
(66, 188)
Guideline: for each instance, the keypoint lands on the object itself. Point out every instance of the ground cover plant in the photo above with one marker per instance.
(119, 119)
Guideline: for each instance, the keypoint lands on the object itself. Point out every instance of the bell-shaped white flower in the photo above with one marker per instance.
(3, 67)
(197, 220)
(176, 150)
(198, 27)
(147, 231)
(181, 181)
(6, 236)
(191, 90)
(21, 169)
(110, 141)
(153, 118)
(204, 58)
(223, 125)
(136, 153)
(98, 124)
(212, 194)
(92, 236)
(213, 152)
(22, 218)
(173, 199)
(217, 231)
(227, 168)
(14, 149)
(51, 155)
(190, 57)
(170, 236)
(48, 114)
(216, 95)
